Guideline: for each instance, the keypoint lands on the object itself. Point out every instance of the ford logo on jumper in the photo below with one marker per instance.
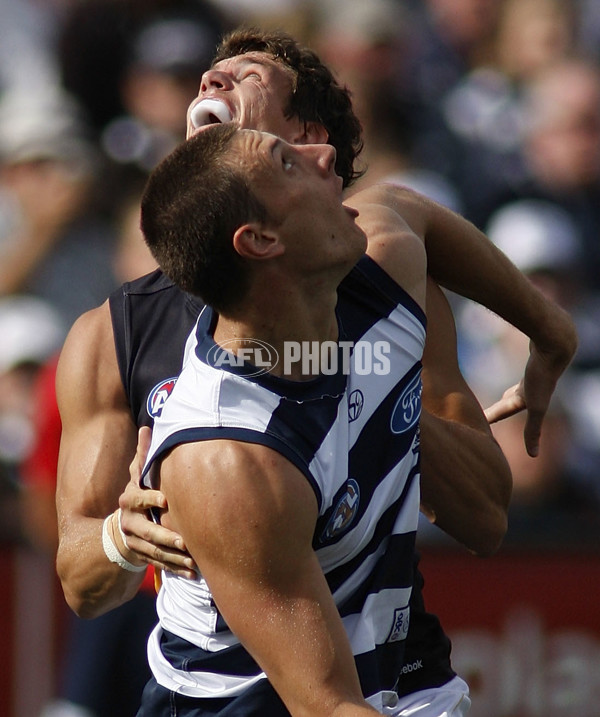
(407, 410)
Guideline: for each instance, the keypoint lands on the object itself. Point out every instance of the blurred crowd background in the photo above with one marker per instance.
(491, 107)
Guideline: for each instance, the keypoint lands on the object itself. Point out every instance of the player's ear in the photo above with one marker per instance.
(257, 242)
(311, 133)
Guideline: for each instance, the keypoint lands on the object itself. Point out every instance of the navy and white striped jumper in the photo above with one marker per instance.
(355, 438)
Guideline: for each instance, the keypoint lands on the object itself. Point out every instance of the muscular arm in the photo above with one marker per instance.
(461, 258)
(466, 481)
(97, 444)
(262, 570)
(467, 495)
(465, 478)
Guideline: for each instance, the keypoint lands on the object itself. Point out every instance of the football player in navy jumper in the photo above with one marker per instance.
(103, 400)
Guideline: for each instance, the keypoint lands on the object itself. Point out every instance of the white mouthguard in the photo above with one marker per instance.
(209, 111)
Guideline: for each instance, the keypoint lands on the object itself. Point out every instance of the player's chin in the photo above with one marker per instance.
(359, 240)
(354, 213)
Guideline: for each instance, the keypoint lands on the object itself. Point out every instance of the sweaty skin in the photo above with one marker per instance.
(262, 569)
(469, 504)
(99, 435)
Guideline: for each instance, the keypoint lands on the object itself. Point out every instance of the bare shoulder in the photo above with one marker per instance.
(412, 206)
(250, 488)
(98, 433)
(394, 225)
(88, 367)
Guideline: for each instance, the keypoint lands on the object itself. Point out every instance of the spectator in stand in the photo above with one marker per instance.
(103, 668)
(27, 59)
(588, 27)
(167, 55)
(561, 152)
(366, 51)
(94, 47)
(38, 470)
(51, 228)
(31, 331)
(294, 16)
(484, 109)
(562, 148)
(549, 505)
(132, 258)
(543, 242)
(447, 39)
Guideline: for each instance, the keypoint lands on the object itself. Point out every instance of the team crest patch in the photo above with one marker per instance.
(158, 396)
(344, 512)
(400, 625)
(407, 410)
(356, 401)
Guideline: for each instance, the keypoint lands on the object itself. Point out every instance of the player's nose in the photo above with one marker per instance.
(215, 79)
(325, 155)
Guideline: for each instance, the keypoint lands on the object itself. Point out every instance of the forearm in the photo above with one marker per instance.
(92, 584)
(463, 259)
(466, 483)
(88, 489)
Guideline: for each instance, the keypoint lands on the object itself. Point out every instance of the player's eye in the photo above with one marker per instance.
(287, 164)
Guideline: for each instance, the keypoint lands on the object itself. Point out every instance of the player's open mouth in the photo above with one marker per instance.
(209, 111)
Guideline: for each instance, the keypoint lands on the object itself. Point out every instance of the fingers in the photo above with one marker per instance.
(533, 393)
(151, 542)
(135, 499)
(533, 432)
(144, 440)
(141, 453)
(161, 551)
(512, 402)
(540, 381)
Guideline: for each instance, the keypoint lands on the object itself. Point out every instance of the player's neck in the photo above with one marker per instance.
(280, 319)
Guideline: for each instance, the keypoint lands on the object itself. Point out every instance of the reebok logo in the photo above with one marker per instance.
(413, 667)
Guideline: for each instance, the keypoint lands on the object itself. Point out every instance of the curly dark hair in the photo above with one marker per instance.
(317, 96)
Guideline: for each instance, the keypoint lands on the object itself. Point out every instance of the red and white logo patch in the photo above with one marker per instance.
(158, 396)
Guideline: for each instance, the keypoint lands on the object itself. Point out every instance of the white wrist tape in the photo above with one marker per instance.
(112, 553)
(123, 536)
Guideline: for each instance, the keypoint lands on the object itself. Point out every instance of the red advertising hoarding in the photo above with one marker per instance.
(525, 628)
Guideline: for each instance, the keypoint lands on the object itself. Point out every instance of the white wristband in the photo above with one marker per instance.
(112, 553)
(123, 536)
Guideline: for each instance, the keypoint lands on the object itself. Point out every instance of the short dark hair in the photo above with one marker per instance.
(193, 202)
(317, 96)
